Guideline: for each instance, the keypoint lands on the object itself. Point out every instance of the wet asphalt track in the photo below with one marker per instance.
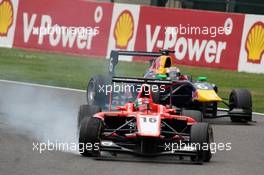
(17, 155)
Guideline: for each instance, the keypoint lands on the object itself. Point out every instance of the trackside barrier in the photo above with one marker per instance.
(199, 38)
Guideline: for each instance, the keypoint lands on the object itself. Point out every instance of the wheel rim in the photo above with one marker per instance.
(91, 92)
(210, 135)
(231, 102)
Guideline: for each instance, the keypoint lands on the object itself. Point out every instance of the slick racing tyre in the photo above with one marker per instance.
(87, 111)
(240, 99)
(201, 137)
(96, 91)
(89, 137)
(195, 114)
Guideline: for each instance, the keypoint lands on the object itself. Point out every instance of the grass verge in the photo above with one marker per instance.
(75, 71)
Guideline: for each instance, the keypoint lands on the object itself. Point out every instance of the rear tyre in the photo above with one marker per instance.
(89, 137)
(87, 111)
(195, 114)
(96, 90)
(202, 136)
(240, 100)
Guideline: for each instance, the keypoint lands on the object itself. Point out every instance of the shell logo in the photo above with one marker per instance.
(255, 43)
(124, 29)
(6, 16)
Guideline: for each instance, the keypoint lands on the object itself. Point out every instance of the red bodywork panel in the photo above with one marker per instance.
(156, 113)
(148, 114)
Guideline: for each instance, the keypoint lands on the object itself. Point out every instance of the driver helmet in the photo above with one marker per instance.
(173, 73)
(143, 104)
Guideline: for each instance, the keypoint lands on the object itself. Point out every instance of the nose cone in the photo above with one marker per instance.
(148, 125)
(207, 96)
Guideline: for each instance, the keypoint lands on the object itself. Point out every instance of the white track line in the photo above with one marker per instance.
(255, 113)
(76, 90)
(40, 85)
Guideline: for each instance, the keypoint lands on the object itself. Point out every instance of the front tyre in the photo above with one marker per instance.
(195, 114)
(240, 105)
(202, 137)
(87, 111)
(90, 137)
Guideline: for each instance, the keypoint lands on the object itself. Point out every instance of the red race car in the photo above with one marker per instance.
(141, 127)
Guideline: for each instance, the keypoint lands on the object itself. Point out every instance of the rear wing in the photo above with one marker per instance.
(115, 55)
(141, 80)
